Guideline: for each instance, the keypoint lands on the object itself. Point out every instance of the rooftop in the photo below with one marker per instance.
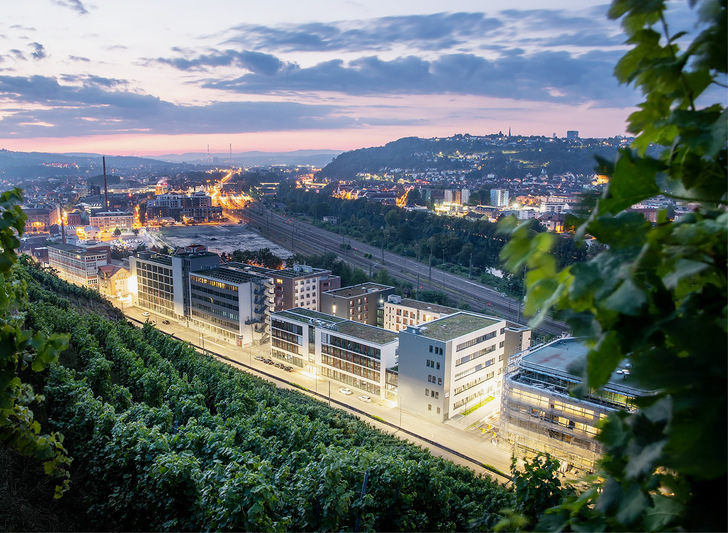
(561, 355)
(229, 275)
(155, 258)
(358, 290)
(283, 273)
(364, 332)
(454, 326)
(426, 306)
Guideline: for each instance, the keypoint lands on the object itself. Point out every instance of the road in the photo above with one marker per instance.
(305, 238)
(456, 441)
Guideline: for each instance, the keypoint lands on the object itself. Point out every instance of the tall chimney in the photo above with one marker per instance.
(106, 190)
(63, 227)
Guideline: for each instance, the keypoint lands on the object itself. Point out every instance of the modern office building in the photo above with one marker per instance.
(76, 264)
(231, 305)
(453, 365)
(111, 220)
(539, 415)
(402, 312)
(298, 286)
(348, 352)
(361, 303)
(161, 283)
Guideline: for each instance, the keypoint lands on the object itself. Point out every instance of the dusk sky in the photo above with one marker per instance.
(156, 77)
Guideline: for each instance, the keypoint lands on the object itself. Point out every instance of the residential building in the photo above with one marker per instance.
(160, 283)
(351, 353)
(77, 264)
(113, 280)
(402, 312)
(539, 415)
(298, 286)
(41, 218)
(499, 197)
(452, 366)
(231, 305)
(362, 303)
(196, 207)
(112, 220)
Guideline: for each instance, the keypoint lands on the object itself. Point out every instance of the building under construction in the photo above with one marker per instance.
(539, 415)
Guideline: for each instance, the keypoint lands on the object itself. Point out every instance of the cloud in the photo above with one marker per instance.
(79, 58)
(90, 108)
(434, 31)
(582, 78)
(255, 62)
(38, 51)
(76, 5)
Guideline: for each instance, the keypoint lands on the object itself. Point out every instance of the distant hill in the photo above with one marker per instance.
(504, 156)
(255, 158)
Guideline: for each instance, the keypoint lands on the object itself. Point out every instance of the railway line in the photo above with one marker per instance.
(300, 237)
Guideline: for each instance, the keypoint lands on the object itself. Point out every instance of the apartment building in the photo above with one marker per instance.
(348, 352)
(452, 366)
(361, 303)
(231, 305)
(111, 220)
(161, 283)
(76, 264)
(297, 286)
(402, 312)
(538, 414)
(113, 280)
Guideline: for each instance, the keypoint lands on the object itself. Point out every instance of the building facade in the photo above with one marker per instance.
(539, 415)
(452, 366)
(231, 305)
(76, 264)
(361, 303)
(161, 283)
(111, 220)
(350, 353)
(196, 207)
(114, 280)
(298, 286)
(41, 218)
(402, 312)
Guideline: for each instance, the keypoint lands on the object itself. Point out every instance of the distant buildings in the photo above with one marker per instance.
(112, 220)
(362, 303)
(78, 265)
(196, 207)
(572, 135)
(499, 197)
(539, 415)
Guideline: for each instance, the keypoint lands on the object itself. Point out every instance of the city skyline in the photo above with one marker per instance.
(143, 79)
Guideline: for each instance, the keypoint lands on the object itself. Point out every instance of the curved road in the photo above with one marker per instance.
(305, 238)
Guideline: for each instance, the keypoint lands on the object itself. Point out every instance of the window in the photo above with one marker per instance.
(438, 366)
(427, 392)
(439, 381)
(438, 410)
(430, 348)
(429, 407)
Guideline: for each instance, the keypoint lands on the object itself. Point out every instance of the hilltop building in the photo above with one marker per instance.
(539, 415)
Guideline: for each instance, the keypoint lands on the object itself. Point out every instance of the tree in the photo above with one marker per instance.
(21, 352)
(117, 232)
(657, 295)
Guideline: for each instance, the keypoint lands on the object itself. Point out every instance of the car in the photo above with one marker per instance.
(366, 399)
(344, 390)
(165, 321)
(258, 358)
(145, 313)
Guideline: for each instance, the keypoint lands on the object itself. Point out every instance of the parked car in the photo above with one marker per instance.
(165, 321)
(145, 313)
(258, 358)
(344, 390)
(366, 399)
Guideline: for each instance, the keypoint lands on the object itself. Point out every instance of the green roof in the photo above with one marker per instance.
(304, 315)
(454, 326)
(366, 332)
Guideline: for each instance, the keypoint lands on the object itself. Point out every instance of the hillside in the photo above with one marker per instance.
(504, 156)
(164, 438)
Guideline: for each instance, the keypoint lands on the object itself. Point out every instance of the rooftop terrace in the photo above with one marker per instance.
(454, 326)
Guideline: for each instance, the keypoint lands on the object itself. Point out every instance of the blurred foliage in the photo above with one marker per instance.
(656, 296)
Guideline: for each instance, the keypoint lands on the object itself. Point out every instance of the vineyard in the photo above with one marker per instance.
(164, 438)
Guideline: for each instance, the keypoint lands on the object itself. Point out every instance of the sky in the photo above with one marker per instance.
(156, 77)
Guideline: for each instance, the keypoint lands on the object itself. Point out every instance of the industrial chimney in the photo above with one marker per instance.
(106, 190)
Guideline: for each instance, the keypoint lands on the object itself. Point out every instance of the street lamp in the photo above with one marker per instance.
(401, 399)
